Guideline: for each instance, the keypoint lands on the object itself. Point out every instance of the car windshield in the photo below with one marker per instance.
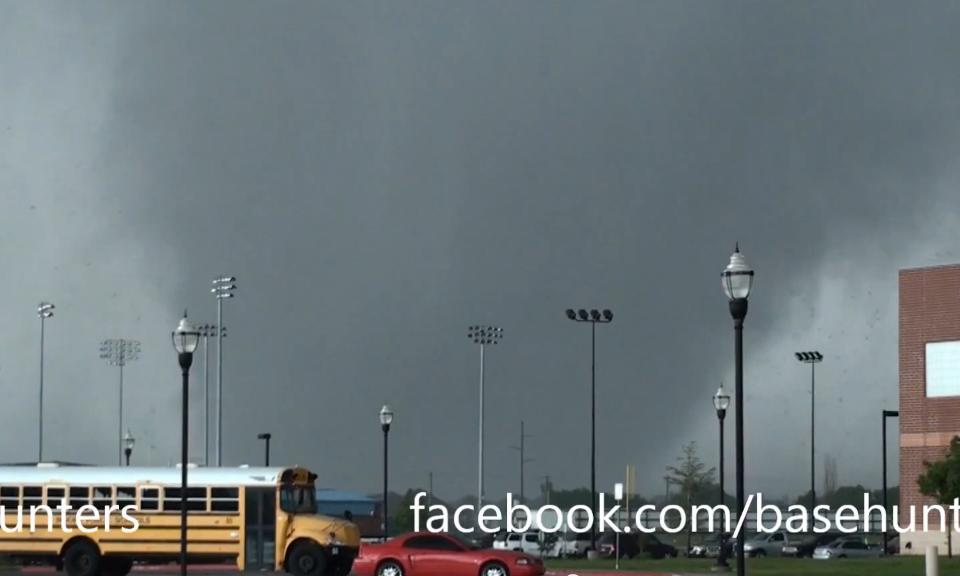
(296, 499)
(838, 543)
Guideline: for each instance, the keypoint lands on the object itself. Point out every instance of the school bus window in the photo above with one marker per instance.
(103, 496)
(224, 499)
(54, 496)
(196, 499)
(79, 496)
(126, 496)
(32, 496)
(149, 499)
(9, 497)
(219, 492)
(298, 499)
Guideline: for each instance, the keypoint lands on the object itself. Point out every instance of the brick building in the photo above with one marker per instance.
(929, 385)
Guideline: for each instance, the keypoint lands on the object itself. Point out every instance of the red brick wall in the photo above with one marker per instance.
(929, 312)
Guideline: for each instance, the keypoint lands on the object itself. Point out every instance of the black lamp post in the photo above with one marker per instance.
(721, 401)
(594, 317)
(128, 441)
(886, 414)
(812, 358)
(265, 436)
(386, 418)
(737, 280)
(185, 340)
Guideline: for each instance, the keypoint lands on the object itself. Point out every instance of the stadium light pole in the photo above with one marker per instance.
(721, 401)
(265, 436)
(117, 352)
(128, 441)
(523, 459)
(185, 339)
(386, 418)
(223, 288)
(812, 358)
(594, 317)
(886, 414)
(44, 311)
(484, 336)
(737, 281)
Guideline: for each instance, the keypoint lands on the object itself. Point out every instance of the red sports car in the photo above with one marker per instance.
(427, 554)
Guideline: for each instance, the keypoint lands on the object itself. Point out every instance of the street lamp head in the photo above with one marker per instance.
(571, 314)
(583, 314)
(186, 336)
(129, 440)
(721, 401)
(595, 315)
(386, 416)
(264, 436)
(607, 315)
(737, 277)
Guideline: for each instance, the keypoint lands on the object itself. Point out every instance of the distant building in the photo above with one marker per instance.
(929, 387)
(362, 510)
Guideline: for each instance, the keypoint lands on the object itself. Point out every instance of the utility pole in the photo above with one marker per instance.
(430, 494)
(523, 459)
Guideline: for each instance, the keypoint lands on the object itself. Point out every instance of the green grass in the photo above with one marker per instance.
(895, 566)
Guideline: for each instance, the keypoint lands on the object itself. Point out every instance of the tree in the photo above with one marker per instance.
(546, 490)
(941, 481)
(692, 476)
(403, 516)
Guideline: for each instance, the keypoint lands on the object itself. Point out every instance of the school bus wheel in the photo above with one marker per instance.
(81, 558)
(307, 559)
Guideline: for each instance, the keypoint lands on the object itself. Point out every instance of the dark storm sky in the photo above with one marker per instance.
(380, 175)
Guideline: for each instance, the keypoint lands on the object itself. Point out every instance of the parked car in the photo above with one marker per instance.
(772, 544)
(710, 547)
(893, 545)
(571, 545)
(633, 545)
(847, 548)
(427, 554)
(805, 547)
(528, 542)
(476, 539)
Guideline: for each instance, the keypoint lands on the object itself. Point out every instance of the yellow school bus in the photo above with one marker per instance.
(257, 518)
